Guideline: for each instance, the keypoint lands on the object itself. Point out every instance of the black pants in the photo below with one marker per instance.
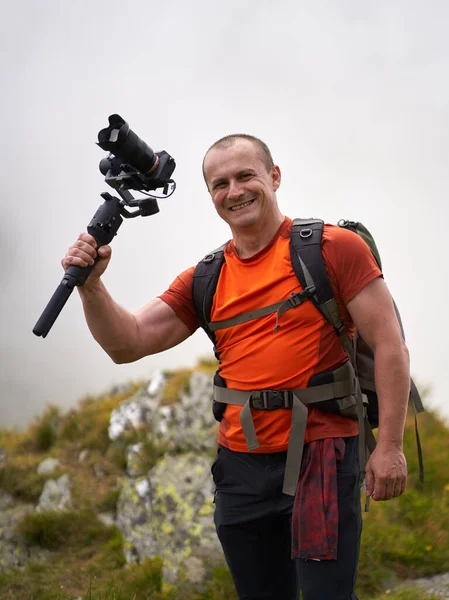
(253, 522)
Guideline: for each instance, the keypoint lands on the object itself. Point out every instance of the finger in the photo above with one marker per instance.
(89, 239)
(369, 482)
(397, 489)
(403, 484)
(389, 490)
(379, 490)
(76, 261)
(85, 247)
(400, 486)
(87, 257)
(104, 251)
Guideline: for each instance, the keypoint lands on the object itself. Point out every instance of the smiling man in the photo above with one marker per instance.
(271, 506)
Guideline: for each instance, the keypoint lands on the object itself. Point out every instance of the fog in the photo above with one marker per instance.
(352, 99)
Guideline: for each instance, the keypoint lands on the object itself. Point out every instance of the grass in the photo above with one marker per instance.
(176, 383)
(405, 538)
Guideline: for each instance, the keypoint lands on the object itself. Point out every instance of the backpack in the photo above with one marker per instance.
(309, 267)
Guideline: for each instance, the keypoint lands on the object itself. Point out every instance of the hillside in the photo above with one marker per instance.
(113, 501)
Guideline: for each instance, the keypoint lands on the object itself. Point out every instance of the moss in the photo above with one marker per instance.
(177, 383)
(108, 503)
(221, 587)
(60, 529)
(408, 537)
(42, 434)
(208, 365)
(406, 594)
(19, 477)
(89, 423)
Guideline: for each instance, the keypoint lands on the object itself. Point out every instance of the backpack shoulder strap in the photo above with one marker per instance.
(308, 263)
(307, 258)
(204, 284)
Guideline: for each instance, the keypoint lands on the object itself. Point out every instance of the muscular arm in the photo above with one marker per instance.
(127, 336)
(373, 313)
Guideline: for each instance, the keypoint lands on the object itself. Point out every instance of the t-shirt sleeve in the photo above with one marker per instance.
(179, 298)
(349, 261)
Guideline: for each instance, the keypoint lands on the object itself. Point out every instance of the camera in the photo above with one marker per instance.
(132, 164)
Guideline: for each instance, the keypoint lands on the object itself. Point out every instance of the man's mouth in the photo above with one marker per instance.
(242, 205)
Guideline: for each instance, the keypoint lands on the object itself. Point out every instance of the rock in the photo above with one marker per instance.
(3, 456)
(107, 519)
(83, 455)
(133, 460)
(99, 473)
(169, 514)
(14, 553)
(55, 495)
(120, 389)
(436, 586)
(48, 466)
(189, 424)
(137, 411)
(5, 500)
(194, 570)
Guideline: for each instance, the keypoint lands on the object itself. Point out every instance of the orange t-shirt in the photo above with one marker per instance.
(253, 357)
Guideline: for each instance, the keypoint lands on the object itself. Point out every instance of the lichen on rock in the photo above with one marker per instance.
(168, 514)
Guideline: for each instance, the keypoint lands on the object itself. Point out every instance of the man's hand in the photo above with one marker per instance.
(83, 253)
(386, 472)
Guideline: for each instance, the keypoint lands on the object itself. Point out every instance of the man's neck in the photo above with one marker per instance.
(251, 240)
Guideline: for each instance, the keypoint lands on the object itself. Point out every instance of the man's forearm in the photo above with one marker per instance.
(392, 375)
(112, 326)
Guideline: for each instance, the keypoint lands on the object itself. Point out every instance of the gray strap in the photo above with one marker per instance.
(367, 385)
(295, 447)
(330, 310)
(319, 393)
(240, 398)
(337, 389)
(249, 431)
(295, 441)
(331, 313)
(229, 396)
(296, 299)
(327, 391)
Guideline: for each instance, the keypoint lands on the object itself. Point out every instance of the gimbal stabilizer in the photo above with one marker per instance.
(130, 164)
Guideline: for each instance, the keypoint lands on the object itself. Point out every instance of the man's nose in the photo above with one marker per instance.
(235, 189)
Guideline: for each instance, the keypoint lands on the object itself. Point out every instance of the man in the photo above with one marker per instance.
(253, 518)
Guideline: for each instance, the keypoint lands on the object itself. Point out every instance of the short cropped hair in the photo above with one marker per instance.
(229, 140)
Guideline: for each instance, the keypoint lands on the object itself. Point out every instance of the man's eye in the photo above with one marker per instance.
(246, 175)
(220, 185)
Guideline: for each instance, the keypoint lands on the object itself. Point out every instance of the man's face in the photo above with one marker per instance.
(243, 190)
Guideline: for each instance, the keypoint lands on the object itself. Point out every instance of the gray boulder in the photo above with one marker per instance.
(169, 514)
(137, 411)
(55, 495)
(48, 466)
(14, 553)
(189, 424)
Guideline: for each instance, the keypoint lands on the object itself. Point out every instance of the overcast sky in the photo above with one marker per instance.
(351, 96)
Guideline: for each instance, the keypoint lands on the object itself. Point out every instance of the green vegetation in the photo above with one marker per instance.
(402, 539)
(207, 364)
(176, 384)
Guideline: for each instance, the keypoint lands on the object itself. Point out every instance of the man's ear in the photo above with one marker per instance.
(276, 177)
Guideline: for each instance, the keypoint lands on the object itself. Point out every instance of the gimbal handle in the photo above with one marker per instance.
(103, 227)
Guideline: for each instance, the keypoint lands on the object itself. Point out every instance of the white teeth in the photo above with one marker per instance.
(241, 205)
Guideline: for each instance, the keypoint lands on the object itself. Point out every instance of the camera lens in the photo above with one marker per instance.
(121, 141)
